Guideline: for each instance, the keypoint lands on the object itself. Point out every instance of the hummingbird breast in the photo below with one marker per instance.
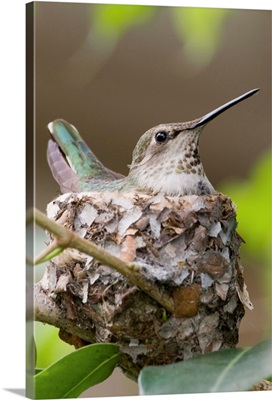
(175, 181)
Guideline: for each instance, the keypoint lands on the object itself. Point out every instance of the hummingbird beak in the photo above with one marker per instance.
(213, 114)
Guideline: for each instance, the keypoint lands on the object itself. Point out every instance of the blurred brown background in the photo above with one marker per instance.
(113, 96)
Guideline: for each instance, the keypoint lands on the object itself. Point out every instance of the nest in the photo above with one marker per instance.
(186, 246)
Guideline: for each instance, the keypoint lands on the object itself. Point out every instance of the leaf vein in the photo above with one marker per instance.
(223, 374)
(92, 373)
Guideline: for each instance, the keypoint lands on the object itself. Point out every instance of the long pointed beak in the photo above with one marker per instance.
(213, 114)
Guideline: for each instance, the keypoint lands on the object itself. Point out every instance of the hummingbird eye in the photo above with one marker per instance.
(161, 137)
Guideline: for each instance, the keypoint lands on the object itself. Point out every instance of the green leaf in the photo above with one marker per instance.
(253, 199)
(50, 255)
(111, 21)
(201, 31)
(38, 370)
(221, 371)
(76, 372)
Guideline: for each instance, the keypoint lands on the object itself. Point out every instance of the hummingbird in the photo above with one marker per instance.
(165, 160)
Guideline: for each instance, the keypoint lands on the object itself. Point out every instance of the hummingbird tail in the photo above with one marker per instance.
(70, 159)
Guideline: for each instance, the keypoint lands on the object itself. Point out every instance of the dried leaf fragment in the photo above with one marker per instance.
(128, 249)
(213, 263)
(62, 283)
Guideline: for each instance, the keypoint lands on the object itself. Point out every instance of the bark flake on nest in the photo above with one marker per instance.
(188, 247)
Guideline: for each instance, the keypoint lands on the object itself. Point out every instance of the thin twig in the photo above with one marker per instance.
(66, 238)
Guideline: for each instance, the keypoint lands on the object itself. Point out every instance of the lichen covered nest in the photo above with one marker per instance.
(188, 247)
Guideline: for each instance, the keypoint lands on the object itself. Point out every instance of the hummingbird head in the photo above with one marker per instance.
(166, 157)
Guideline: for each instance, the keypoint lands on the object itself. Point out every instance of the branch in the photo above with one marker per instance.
(47, 311)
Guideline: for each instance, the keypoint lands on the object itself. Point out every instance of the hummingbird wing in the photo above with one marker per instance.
(67, 179)
(71, 161)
